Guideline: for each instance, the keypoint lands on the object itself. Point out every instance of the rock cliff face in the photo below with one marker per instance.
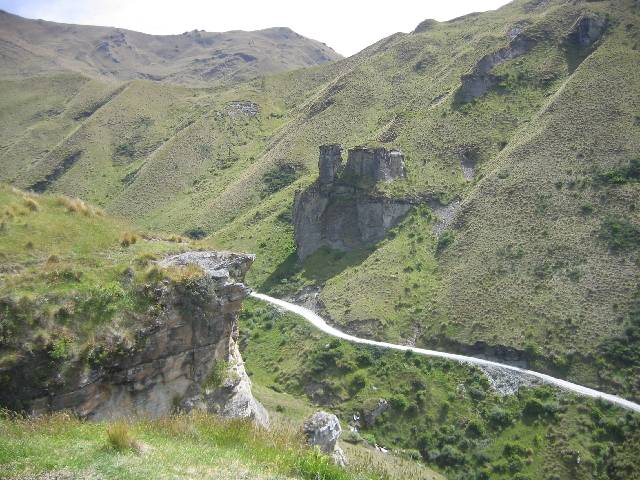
(340, 209)
(184, 357)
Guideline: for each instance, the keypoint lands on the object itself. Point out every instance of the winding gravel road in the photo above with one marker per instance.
(319, 323)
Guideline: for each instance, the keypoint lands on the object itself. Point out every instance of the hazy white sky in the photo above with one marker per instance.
(347, 26)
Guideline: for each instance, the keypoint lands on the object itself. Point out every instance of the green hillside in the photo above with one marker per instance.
(544, 200)
(520, 127)
(194, 446)
(72, 279)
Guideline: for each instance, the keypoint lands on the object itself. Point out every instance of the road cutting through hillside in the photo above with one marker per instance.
(318, 322)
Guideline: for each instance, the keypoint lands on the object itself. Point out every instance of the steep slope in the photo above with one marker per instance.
(31, 47)
(541, 262)
(520, 123)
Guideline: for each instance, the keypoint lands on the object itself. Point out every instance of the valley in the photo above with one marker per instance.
(467, 190)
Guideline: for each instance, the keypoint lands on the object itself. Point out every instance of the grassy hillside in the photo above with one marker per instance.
(193, 446)
(445, 413)
(542, 258)
(71, 278)
(33, 47)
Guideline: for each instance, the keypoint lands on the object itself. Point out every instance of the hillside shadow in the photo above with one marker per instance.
(317, 268)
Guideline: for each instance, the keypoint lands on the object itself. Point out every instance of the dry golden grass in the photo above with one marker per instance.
(31, 204)
(75, 205)
(119, 437)
(128, 238)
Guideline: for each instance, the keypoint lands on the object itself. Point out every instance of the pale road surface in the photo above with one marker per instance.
(320, 324)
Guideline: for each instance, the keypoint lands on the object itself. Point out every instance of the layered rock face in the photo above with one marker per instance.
(171, 363)
(340, 210)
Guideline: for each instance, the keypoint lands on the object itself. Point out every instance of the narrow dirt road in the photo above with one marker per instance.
(319, 323)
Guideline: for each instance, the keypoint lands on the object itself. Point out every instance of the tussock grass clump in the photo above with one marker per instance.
(119, 437)
(127, 239)
(31, 204)
(177, 239)
(154, 274)
(75, 205)
(144, 259)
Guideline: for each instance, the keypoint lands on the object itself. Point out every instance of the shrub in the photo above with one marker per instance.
(499, 418)
(620, 234)
(445, 240)
(398, 402)
(358, 381)
(280, 176)
(622, 175)
(196, 233)
(450, 456)
(474, 429)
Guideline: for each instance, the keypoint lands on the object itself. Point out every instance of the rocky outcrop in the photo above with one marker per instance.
(370, 416)
(341, 210)
(480, 80)
(322, 430)
(367, 166)
(583, 38)
(586, 31)
(425, 25)
(170, 363)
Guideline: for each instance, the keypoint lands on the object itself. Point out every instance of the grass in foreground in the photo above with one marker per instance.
(181, 446)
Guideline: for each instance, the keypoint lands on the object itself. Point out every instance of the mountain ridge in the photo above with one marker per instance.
(196, 58)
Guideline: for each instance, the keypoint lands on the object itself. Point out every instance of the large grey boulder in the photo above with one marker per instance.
(322, 430)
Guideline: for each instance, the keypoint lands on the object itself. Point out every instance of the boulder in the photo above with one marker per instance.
(322, 430)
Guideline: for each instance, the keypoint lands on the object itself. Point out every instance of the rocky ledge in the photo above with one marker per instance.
(185, 355)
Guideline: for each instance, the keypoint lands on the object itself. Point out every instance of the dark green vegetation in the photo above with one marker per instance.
(194, 446)
(440, 411)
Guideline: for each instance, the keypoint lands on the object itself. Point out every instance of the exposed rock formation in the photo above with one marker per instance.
(370, 165)
(587, 30)
(170, 362)
(340, 210)
(425, 25)
(480, 79)
(582, 39)
(322, 430)
(370, 416)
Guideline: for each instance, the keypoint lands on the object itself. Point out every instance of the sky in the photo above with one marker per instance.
(347, 26)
